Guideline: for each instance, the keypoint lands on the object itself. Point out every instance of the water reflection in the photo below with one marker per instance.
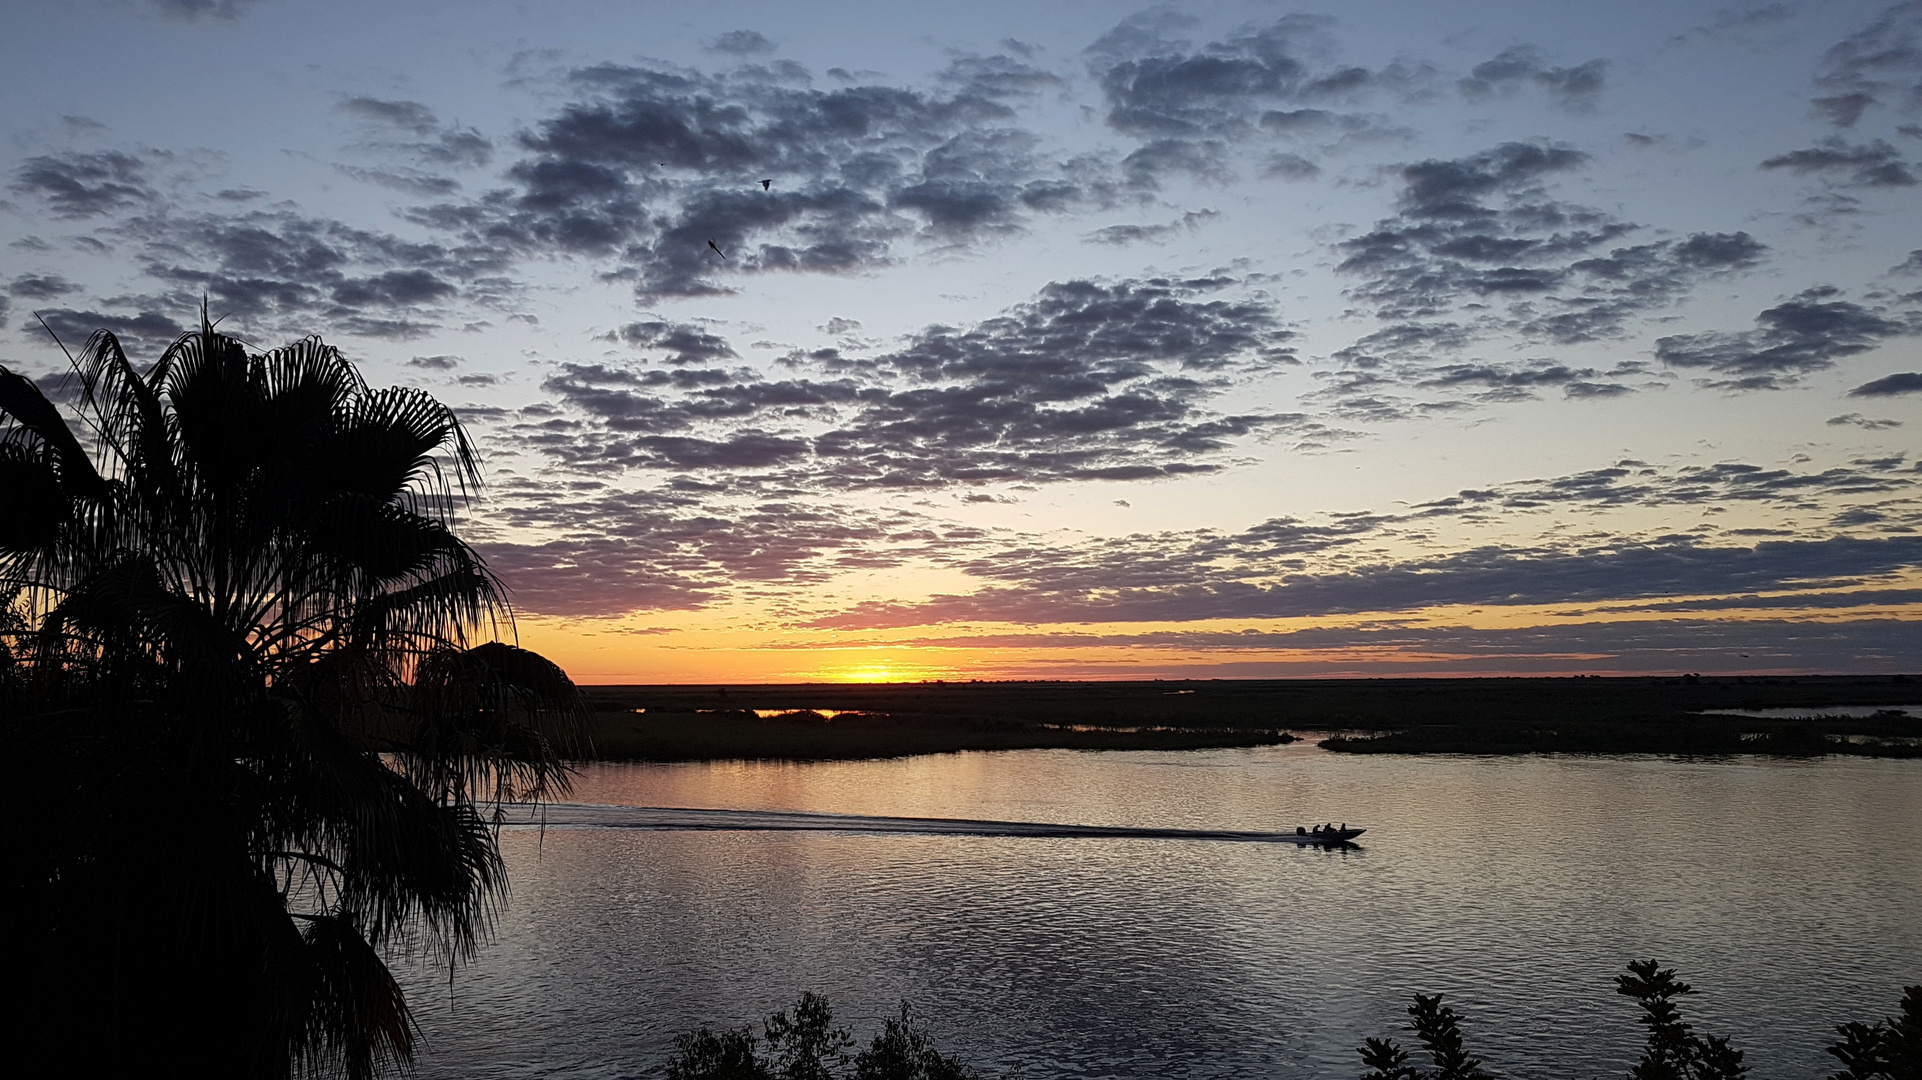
(1786, 890)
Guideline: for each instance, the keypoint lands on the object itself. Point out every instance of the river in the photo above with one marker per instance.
(1789, 892)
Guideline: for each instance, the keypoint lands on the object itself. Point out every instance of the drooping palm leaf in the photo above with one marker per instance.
(249, 614)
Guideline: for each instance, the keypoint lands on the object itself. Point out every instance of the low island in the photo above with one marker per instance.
(1686, 714)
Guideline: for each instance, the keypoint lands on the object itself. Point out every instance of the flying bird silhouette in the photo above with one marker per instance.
(766, 184)
(717, 251)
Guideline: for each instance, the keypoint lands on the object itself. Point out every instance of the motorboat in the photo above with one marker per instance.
(1325, 836)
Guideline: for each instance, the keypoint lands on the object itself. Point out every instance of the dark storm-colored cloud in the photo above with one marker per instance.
(1526, 65)
(1188, 103)
(648, 165)
(1871, 164)
(1902, 382)
(1088, 380)
(1878, 66)
(85, 185)
(1808, 333)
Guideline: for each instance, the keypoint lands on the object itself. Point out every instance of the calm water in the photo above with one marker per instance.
(1790, 892)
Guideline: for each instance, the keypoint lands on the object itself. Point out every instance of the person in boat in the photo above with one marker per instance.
(1299, 831)
(1317, 830)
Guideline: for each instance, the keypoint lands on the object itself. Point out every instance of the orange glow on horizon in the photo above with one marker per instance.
(741, 645)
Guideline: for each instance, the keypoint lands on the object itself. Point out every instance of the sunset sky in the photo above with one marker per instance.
(1059, 340)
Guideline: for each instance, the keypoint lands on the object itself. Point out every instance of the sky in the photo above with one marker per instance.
(843, 341)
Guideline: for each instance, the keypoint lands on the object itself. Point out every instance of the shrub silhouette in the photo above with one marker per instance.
(1889, 1048)
(1672, 1052)
(807, 1046)
(1438, 1028)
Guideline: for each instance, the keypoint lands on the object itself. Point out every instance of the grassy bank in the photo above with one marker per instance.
(1499, 716)
(687, 736)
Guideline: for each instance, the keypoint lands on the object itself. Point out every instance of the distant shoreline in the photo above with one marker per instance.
(826, 722)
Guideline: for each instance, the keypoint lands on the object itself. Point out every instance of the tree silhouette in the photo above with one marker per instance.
(238, 677)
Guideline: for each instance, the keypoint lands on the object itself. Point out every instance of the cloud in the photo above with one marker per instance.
(1879, 65)
(41, 287)
(1478, 247)
(1902, 382)
(608, 553)
(1135, 234)
(196, 10)
(435, 363)
(1083, 591)
(145, 332)
(1525, 65)
(1872, 164)
(741, 43)
(1482, 229)
(1389, 647)
(281, 271)
(684, 343)
(430, 144)
(648, 165)
(84, 185)
(1188, 103)
(409, 116)
(1088, 380)
(1805, 334)
(701, 539)
(411, 181)
(1858, 420)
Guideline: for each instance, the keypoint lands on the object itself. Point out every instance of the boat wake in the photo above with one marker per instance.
(683, 819)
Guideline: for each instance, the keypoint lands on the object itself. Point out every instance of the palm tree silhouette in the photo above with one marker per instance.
(262, 752)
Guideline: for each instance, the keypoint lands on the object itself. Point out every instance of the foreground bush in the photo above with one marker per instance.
(807, 1046)
(1890, 1049)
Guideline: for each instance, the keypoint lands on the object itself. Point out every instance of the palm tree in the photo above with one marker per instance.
(261, 752)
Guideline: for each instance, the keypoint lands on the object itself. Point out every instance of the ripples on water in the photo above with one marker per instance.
(1789, 892)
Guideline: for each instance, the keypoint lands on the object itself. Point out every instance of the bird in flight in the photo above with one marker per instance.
(766, 184)
(717, 250)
